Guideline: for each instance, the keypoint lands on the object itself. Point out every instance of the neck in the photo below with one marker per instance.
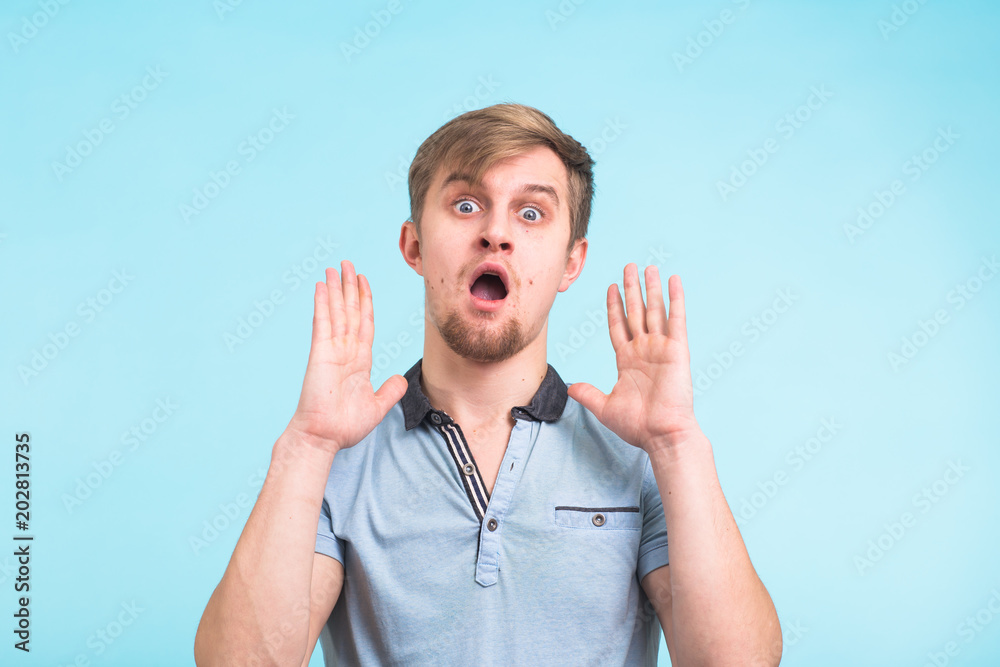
(478, 393)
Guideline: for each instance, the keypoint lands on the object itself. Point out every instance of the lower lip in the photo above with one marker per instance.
(487, 304)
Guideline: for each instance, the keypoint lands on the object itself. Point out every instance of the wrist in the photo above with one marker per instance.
(681, 429)
(678, 445)
(301, 436)
(293, 443)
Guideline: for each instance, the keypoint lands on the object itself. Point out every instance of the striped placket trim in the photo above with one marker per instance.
(475, 489)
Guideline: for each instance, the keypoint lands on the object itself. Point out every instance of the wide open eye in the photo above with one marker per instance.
(533, 214)
(467, 206)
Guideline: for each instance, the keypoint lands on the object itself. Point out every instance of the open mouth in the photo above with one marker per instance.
(489, 283)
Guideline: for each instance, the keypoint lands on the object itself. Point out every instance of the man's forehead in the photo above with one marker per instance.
(533, 183)
(463, 179)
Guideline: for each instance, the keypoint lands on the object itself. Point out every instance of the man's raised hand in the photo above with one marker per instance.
(651, 405)
(338, 405)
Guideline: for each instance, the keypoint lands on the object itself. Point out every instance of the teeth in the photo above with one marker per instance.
(495, 275)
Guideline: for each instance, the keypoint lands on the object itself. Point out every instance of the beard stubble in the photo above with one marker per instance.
(482, 343)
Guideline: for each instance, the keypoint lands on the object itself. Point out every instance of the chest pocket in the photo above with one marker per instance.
(599, 518)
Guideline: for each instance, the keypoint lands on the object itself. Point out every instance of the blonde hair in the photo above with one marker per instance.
(479, 139)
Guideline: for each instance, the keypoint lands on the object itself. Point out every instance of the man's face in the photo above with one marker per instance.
(515, 226)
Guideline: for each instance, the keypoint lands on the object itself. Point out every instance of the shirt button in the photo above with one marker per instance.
(598, 519)
(491, 524)
(468, 468)
(436, 418)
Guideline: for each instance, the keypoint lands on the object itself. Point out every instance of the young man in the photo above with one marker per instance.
(478, 511)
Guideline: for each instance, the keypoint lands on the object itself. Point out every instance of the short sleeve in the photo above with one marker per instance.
(653, 543)
(326, 542)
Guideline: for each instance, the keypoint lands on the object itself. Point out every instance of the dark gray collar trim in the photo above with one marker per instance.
(546, 405)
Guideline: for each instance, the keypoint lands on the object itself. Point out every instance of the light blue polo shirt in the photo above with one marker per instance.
(544, 570)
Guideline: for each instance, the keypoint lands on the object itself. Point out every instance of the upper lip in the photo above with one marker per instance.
(490, 267)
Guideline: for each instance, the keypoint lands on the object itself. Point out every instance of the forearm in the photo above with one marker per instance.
(721, 611)
(260, 609)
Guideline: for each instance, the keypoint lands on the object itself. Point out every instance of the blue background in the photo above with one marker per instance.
(672, 101)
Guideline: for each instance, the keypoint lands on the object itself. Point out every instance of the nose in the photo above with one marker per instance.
(496, 232)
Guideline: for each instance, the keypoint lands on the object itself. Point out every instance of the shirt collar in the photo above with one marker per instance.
(546, 405)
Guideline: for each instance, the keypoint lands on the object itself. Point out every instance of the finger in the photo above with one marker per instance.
(589, 397)
(352, 310)
(366, 330)
(338, 327)
(656, 312)
(676, 320)
(633, 300)
(321, 315)
(389, 394)
(617, 326)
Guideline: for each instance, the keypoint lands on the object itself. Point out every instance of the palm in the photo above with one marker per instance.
(338, 395)
(652, 400)
(339, 406)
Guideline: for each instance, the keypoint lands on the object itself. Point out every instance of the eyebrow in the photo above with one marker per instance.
(538, 188)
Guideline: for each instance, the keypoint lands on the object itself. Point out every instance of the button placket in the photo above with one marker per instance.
(488, 562)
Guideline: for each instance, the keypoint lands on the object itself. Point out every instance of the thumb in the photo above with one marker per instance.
(390, 392)
(588, 396)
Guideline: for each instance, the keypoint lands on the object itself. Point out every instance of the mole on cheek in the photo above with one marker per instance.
(530, 281)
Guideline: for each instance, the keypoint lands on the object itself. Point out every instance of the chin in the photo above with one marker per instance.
(491, 345)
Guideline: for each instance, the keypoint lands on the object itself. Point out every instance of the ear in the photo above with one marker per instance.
(409, 245)
(574, 264)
